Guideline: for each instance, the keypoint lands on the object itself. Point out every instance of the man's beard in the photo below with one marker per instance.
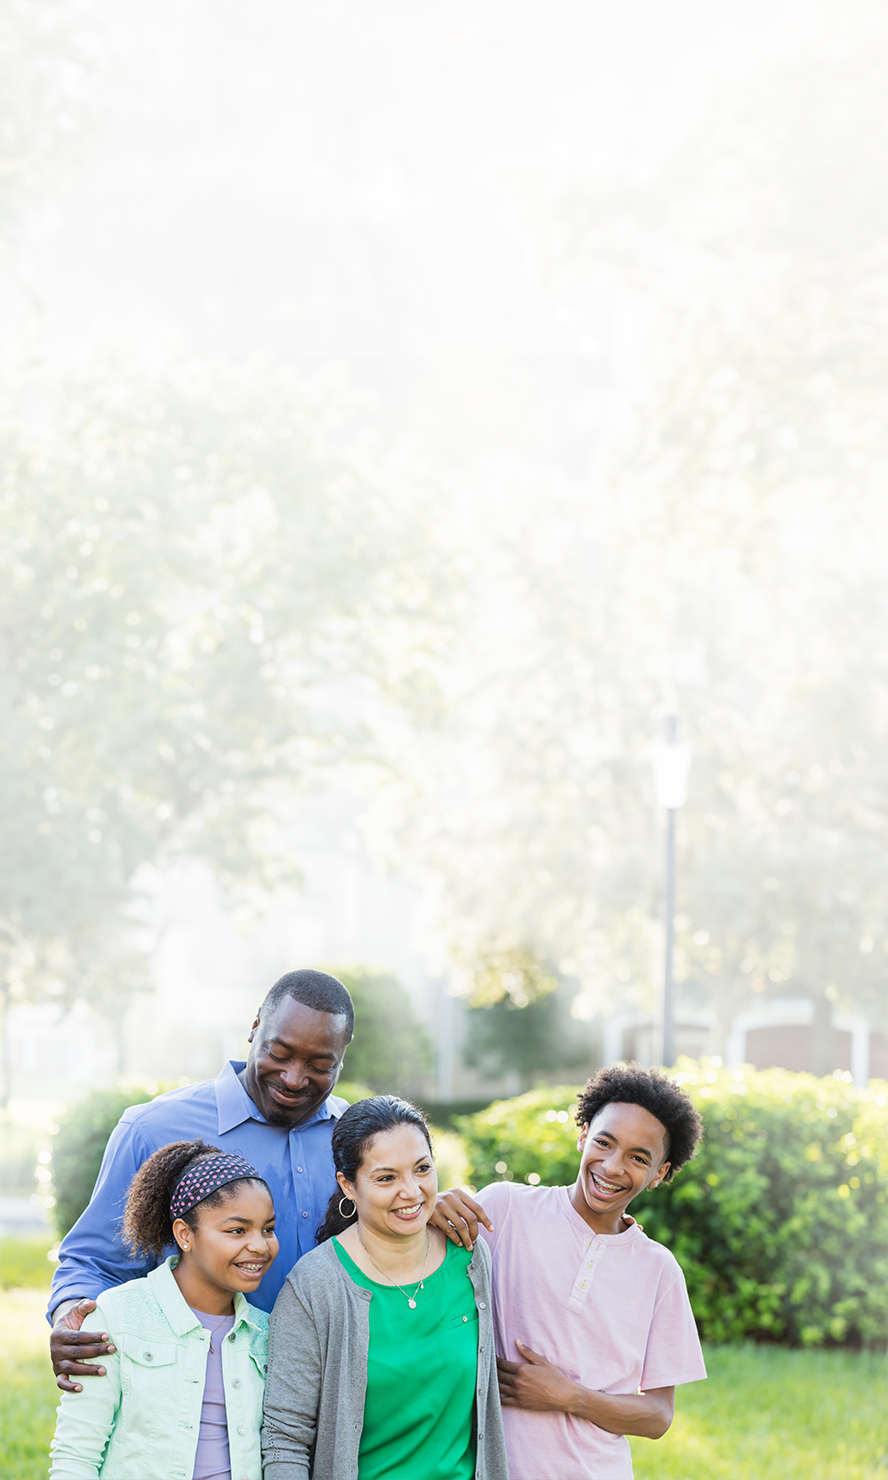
(277, 1115)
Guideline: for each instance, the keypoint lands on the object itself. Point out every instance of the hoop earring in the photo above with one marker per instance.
(353, 1211)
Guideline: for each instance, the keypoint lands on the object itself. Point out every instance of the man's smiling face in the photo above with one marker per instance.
(624, 1151)
(295, 1060)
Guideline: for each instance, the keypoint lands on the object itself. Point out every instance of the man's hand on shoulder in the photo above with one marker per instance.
(69, 1346)
(534, 1383)
(458, 1215)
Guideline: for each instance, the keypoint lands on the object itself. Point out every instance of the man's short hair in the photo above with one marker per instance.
(630, 1084)
(314, 989)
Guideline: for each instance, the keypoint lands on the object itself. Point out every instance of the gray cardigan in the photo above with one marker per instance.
(318, 1341)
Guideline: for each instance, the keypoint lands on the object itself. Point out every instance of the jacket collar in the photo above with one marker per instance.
(176, 1308)
(234, 1106)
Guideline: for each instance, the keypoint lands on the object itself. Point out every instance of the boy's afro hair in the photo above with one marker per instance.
(630, 1084)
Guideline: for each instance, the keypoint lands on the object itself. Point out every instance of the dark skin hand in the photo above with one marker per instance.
(539, 1385)
(69, 1347)
(458, 1215)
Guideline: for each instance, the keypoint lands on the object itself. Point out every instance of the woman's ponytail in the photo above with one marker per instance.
(334, 1220)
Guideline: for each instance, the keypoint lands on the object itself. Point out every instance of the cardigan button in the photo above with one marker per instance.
(481, 1305)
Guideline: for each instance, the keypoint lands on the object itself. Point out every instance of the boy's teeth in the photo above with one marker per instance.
(608, 1186)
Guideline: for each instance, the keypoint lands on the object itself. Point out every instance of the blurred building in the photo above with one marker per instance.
(777, 1033)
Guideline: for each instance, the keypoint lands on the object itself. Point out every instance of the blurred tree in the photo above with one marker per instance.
(725, 560)
(391, 1051)
(201, 600)
(50, 68)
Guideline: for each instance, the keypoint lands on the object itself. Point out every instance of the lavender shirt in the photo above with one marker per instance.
(212, 1461)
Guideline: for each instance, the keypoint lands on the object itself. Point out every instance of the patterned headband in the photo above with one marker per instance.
(204, 1176)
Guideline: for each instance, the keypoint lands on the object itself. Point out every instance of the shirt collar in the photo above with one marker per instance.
(621, 1239)
(234, 1106)
(176, 1308)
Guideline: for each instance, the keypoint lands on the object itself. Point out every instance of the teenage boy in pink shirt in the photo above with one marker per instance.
(594, 1329)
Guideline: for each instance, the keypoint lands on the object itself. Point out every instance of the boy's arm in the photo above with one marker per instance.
(458, 1215)
(538, 1384)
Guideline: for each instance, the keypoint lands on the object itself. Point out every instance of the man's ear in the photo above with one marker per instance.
(581, 1138)
(253, 1029)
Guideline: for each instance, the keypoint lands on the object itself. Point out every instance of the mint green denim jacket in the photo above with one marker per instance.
(142, 1419)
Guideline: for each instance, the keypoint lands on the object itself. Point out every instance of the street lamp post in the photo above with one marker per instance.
(671, 762)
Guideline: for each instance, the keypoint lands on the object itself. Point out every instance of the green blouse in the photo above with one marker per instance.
(421, 1372)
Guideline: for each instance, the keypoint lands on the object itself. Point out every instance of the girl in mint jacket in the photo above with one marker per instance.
(182, 1394)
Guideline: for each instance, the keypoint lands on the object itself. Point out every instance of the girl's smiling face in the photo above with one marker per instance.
(396, 1184)
(231, 1248)
(624, 1151)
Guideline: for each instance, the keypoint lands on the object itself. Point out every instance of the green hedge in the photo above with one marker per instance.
(779, 1223)
(79, 1145)
(83, 1134)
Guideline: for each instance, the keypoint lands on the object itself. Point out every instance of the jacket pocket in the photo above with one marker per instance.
(147, 1353)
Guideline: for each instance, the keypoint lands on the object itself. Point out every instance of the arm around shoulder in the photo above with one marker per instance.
(85, 1421)
(92, 1256)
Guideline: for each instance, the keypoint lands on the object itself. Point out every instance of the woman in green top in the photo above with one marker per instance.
(381, 1359)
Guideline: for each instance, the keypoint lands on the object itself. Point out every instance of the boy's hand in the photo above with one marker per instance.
(458, 1215)
(534, 1383)
(69, 1346)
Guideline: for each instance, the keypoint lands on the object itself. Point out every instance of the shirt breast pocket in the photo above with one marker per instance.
(454, 1322)
(149, 1354)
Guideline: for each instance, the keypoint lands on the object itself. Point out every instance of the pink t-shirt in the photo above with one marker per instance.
(611, 1310)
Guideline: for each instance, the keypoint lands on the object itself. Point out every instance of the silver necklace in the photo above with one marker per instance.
(216, 1328)
(411, 1299)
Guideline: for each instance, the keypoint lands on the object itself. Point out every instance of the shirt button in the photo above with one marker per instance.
(231, 1337)
(299, 1169)
(148, 1357)
(481, 1305)
(241, 1428)
(305, 1215)
(465, 1318)
(236, 1382)
(582, 1284)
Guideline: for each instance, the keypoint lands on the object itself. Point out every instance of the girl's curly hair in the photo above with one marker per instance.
(147, 1226)
(630, 1084)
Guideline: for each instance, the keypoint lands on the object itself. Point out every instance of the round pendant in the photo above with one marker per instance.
(412, 1303)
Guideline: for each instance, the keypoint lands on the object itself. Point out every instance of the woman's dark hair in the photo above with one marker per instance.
(147, 1226)
(352, 1134)
(630, 1084)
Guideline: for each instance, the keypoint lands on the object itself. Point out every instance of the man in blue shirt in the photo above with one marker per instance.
(276, 1110)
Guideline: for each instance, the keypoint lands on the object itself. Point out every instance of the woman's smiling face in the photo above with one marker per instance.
(396, 1183)
(624, 1151)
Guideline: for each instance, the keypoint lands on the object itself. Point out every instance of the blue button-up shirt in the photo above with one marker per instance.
(297, 1164)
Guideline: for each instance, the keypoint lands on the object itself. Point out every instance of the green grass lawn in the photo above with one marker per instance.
(764, 1414)
(27, 1410)
(770, 1412)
